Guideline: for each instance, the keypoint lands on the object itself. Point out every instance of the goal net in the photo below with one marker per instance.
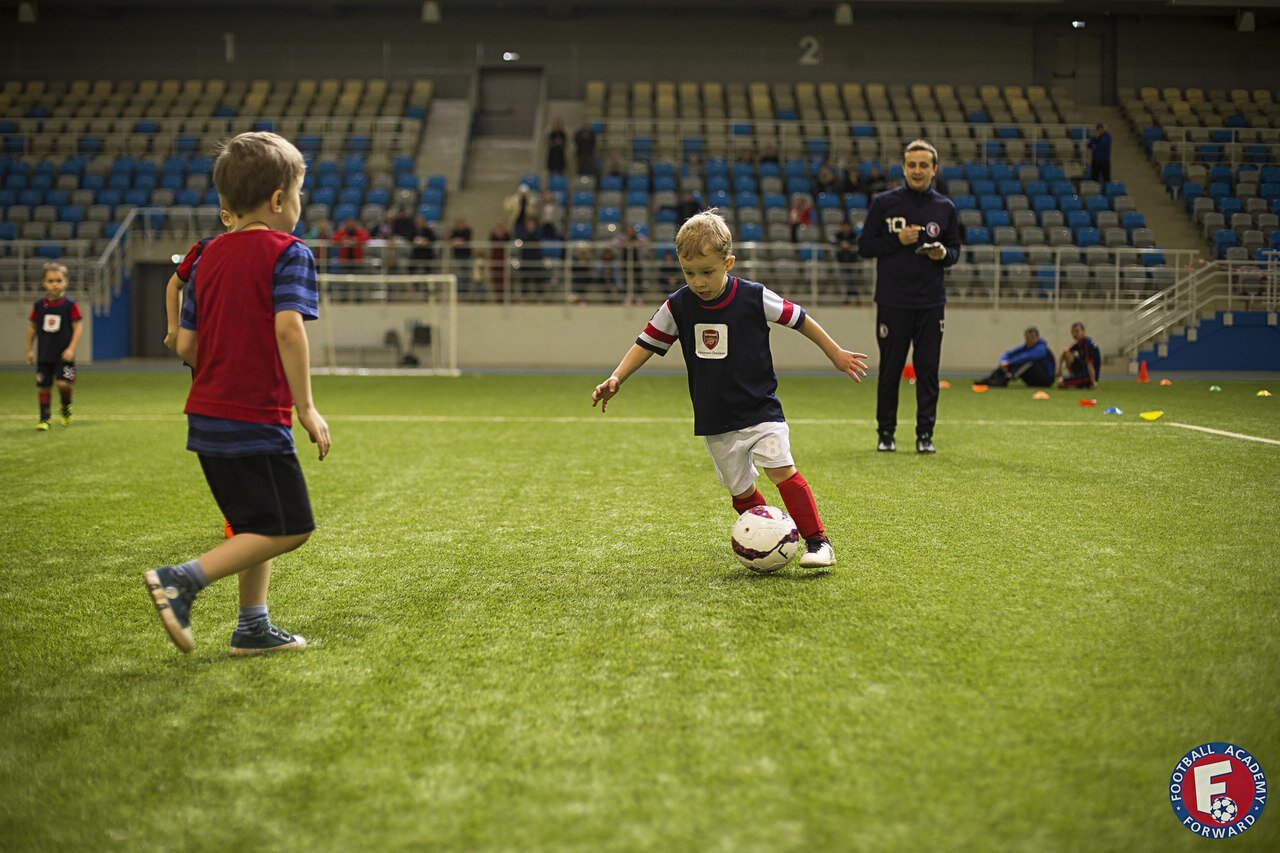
(387, 324)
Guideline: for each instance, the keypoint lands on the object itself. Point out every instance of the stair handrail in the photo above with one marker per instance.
(1186, 298)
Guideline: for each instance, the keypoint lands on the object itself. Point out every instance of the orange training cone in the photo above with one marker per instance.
(909, 372)
(1142, 372)
(226, 529)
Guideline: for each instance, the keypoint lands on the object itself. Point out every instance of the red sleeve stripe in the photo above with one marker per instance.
(788, 311)
(657, 335)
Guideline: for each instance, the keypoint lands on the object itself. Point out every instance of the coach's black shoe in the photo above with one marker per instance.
(886, 444)
(263, 639)
(924, 444)
(172, 594)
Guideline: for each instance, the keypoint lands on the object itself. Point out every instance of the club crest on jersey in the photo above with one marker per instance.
(933, 229)
(53, 322)
(712, 340)
(1218, 790)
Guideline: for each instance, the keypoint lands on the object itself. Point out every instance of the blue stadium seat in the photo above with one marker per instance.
(1223, 239)
(430, 212)
(1012, 255)
(982, 186)
(1114, 188)
(343, 212)
(1068, 203)
(1088, 237)
(1035, 188)
(995, 218)
(976, 235)
(609, 215)
(990, 202)
(378, 195)
(641, 183)
(584, 198)
(1010, 186)
(350, 195)
(1230, 205)
(751, 232)
(1077, 219)
(637, 198)
(190, 198)
(775, 200)
(1132, 219)
(1153, 259)
(138, 197)
(71, 213)
(580, 231)
(1095, 203)
(829, 200)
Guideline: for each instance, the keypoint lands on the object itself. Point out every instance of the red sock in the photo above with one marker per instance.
(45, 395)
(748, 502)
(798, 499)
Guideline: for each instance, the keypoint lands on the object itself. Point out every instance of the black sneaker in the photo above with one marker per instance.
(172, 595)
(886, 444)
(818, 553)
(924, 444)
(263, 639)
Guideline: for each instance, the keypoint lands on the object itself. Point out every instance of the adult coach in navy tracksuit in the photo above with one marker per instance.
(914, 233)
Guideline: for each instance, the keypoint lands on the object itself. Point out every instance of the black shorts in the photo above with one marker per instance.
(264, 494)
(48, 371)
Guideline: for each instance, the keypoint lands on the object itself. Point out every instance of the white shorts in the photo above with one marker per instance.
(733, 453)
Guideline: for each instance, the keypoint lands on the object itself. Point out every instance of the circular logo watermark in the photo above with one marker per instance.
(1218, 790)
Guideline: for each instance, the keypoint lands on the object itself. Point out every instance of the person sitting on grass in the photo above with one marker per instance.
(1032, 363)
(1081, 362)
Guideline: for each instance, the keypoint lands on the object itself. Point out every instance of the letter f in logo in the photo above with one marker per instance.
(1206, 788)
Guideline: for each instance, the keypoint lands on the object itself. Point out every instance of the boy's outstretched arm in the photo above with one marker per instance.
(295, 358)
(172, 309)
(852, 363)
(631, 362)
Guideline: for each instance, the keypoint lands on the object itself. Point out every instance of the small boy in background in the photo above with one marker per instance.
(178, 281)
(242, 333)
(722, 323)
(55, 329)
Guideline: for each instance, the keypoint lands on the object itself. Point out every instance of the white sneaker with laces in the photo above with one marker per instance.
(818, 553)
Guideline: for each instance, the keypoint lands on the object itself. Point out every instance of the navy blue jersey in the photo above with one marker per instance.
(54, 322)
(906, 278)
(726, 351)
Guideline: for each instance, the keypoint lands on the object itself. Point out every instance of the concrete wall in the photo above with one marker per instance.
(593, 338)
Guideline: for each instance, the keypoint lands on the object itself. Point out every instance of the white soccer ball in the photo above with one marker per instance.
(764, 539)
(1223, 809)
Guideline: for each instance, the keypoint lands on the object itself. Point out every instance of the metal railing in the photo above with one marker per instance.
(1210, 286)
(1184, 142)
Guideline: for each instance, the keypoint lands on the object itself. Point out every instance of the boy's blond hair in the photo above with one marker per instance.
(704, 232)
(252, 166)
(921, 145)
(54, 266)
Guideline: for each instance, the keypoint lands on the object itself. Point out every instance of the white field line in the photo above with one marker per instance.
(1239, 435)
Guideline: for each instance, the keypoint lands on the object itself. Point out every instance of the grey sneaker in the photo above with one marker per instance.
(172, 595)
(264, 639)
(924, 444)
(818, 553)
(886, 444)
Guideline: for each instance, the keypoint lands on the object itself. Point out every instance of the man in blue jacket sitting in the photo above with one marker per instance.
(1032, 362)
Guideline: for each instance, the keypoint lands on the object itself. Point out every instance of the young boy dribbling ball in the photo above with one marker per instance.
(722, 323)
(55, 330)
(242, 333)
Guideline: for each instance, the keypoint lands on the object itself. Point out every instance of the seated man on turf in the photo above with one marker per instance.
(1032, 363)
(1081, 362)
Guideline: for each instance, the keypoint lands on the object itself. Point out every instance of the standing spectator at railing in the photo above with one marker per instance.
(846, 245)
(769, 154)
(584, 143)
(608, 272)
(549, 211)
(876, 182)
(582, 276)
(629, 244)
(319, 237)
(529, 253)
(1100, 154)
(424, 245)
(687, 207)
(459, 238)
(745, 157)
(800, 215)
(499, 237)
(403, 229)
(556, 141)
(351, 239)
(615, 168)
(519, 204)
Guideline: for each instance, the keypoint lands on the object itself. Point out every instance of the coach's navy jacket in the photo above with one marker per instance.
(905, 279)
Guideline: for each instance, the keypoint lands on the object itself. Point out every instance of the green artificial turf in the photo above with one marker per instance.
(528, 632)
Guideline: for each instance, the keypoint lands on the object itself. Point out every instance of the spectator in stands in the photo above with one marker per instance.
(823, 181)
(499, 238)
(1100, 151)
(319, 237)
(556, 141)
(351, 239)
(745, 157)
(615, 168)
(404, 230)
(850, 179)
(529, 253)
(519, 204)
(1032, 362)
(548, 210)
(876, 182)
(584, 143)
(1081, 362)
(582, 279)
(687, 207)
(800, 215)
(845, 241)
(424, 245)
(459, 238)
(629, 244)
(609, 272)
(769, 154)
